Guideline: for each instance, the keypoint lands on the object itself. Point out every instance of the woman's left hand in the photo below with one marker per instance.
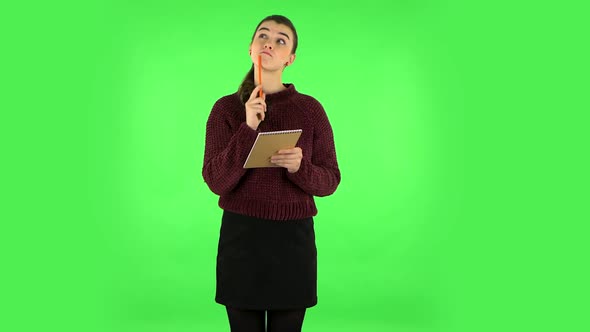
(288, 158)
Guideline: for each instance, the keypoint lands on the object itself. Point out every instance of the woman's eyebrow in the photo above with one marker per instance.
(280, 33)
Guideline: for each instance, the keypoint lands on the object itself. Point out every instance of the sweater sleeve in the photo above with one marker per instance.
(225, 151)
(319, 175)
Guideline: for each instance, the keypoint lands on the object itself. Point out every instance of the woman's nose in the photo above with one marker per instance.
(267, 45)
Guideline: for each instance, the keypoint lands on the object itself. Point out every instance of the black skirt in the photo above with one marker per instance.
(266, 264)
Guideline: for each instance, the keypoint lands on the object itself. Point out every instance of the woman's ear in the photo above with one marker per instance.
(291, 60)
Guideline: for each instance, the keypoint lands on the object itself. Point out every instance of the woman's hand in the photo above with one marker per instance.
(255, 108)
(288, 158)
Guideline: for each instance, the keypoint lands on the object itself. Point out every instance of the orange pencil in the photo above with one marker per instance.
(259, 81)
(260, 74)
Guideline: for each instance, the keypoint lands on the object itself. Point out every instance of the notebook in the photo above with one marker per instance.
(268, 144)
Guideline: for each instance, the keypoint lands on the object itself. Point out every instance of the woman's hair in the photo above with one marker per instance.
(248, 85)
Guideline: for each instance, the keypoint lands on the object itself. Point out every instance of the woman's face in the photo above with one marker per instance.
(274, 42)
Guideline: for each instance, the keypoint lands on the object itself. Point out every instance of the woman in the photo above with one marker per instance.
(267, 259)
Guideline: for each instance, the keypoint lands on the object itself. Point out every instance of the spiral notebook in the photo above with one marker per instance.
(268, 144)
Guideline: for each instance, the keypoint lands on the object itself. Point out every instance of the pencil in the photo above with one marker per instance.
(260, 74)
(259, 81)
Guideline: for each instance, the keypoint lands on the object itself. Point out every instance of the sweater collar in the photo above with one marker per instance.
(283, 94)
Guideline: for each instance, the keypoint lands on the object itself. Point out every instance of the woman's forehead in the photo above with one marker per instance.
(275, 27)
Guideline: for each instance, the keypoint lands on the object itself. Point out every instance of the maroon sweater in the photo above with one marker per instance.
(270, 193)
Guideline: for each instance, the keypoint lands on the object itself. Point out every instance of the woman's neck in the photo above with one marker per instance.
(271, 82)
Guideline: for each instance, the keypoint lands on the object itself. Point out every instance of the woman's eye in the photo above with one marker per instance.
(282, 41)
(262, 35)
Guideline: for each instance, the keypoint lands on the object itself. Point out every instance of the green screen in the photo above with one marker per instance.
(445, 219)
(375, 69)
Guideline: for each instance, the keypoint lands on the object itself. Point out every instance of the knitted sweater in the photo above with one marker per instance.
(270, 193)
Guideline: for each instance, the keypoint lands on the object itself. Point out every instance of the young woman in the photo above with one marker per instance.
(267, 258)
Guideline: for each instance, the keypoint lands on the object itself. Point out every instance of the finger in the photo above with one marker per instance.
(288, 153)
(280, 163)
(256, 107)
(257, 102)
(295, 150)
(283, 158)
(255, 92)
(285, 165)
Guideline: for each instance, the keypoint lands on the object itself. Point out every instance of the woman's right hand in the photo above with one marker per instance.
(255, 109)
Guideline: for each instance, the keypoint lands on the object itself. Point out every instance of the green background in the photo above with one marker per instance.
(460, 131)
